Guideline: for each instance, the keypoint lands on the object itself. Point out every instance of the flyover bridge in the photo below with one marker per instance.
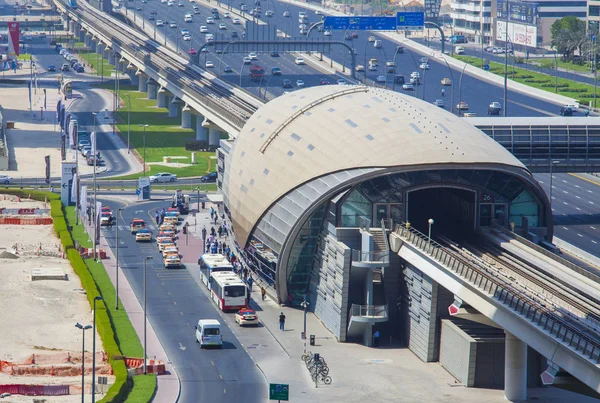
(554, 313)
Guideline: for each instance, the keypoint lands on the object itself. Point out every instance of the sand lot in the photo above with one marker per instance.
(39, 316)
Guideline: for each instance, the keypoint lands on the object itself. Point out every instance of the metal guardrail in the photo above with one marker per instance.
(376, 311)
(505, 293)
(377, 256)
(547, 253)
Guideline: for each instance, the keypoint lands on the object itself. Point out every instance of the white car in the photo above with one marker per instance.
(247, 60)
(196, 11)
(341, 81)
(160, 23)
(187, 37)
(286, 14)
(210, 20)
(299, 60)
(209, 37)
(381, 79)
(372, 67)
(173, 24)
(415, 74)
(5, 179)
(439, 102)
(318, 12)
(163, 177)
(226, 15)
(424, 66)
(185, 32)
(170, 3)
(180, 4)
(236, 21)
(253, 56)
(327, 33)
(268, 13)
(408, 87)
(222, 26)
(299, 83)
(359, 67)
(163, 1)
(187, 18)
(209, 64)
(203, 29)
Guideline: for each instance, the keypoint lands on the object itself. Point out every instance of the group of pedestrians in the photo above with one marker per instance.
(159, 216)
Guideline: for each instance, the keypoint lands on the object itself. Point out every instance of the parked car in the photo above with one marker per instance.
(6, 179)
(163, 177)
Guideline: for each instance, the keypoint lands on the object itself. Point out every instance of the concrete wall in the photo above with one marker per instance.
(329, 284)
(458, 353)
(3, 145)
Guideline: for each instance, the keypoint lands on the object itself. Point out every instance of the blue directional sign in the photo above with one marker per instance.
(360, 23)
(409, 20)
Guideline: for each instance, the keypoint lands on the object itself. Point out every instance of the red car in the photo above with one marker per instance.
(324, 82)
(192, 52)
(354, 35)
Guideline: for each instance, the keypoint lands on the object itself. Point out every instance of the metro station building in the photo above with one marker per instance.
(318, 177)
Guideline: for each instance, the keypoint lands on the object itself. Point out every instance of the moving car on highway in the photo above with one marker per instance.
(462, 106)
(494, 108)
(446, 81)
(6, 179)
(143, 235)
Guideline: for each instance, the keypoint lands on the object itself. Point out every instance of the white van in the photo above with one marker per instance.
(459, 50)
(208, 333)
(377, 44)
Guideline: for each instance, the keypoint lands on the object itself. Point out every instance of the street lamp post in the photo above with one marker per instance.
(304, 305)
(460, 89)
(97, 298)
(555, 72)
(144, 141)
(83, 329)
(95, 151)
(430, 222)
(505, 62)
(119, 211)
(145, 349)
(128, 120)
(443, 57)
(552, 163)
(241, 69)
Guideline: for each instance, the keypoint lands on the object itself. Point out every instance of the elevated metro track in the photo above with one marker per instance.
(226, 106)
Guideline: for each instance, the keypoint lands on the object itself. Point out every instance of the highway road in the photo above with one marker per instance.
(175, 302)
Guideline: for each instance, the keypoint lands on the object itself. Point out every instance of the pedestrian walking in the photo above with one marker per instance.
(250, 281)
(220, 231)
(216, 218)
(157, 217)
(207, 246)
(245, 272)
(203, 205)
(110, 221)
(263, 292)
(376, 338)
(204, 233)
(282, 322)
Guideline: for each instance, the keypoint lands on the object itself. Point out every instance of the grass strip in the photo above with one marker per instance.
(584, 93)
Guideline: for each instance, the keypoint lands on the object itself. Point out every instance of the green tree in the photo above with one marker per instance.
(568, 35)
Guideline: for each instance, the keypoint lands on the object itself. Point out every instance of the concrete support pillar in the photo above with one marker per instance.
(111, 58)
(152, 90)
(143, 82)
(515, 369)
(133, 79)
(214, 136)
(174, 105)
(92, 45)
(201, 131)
(87, 39)
(162, 98)
(100, 49)
(82, 36)
(186, 117)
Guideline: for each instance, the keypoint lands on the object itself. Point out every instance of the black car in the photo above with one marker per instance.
(80, 69)
(211, 177)
(286, 83)
(348, 37)
(390, 70)
(566, 111)
(51, 68)
(274, 54)
(234, 34)
(227, 69)
(398, 79)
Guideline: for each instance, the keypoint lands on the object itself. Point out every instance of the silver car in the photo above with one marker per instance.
(5, 179)
(163, 177)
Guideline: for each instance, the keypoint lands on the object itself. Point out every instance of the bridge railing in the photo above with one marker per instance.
(502, 291)
(370, 311)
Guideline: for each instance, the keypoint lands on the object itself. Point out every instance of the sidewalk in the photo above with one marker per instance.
(359, 373)
(167, 385)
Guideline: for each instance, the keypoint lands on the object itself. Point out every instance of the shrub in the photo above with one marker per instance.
(196, 145)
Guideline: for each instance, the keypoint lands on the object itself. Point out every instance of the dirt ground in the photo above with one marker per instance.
(39, 316)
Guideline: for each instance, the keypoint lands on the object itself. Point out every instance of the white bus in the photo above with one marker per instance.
(212, 262)
(228, 291)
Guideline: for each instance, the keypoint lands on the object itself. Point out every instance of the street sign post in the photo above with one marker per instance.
(360, 23)
(279, 391)
(410, 20)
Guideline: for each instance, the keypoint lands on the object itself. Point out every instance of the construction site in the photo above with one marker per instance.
(43, 300)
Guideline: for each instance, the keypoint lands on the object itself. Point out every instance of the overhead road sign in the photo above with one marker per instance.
(410, 20)
(360, 23)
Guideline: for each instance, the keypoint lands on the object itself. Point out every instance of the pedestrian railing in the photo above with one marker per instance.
(501, 290)
(377, 256)
(369, 311)
(316, 365)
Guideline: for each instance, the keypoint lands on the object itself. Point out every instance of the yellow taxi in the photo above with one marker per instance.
(169, 233)
(137, 224)
(173, 210)
(163, 244)
(172, 261)
(170, 250)
(165, 226)
(446, 81)
(171, 219)
(143, 235)
(163, 239)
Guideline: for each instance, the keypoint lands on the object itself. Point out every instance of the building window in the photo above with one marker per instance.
(594, 11)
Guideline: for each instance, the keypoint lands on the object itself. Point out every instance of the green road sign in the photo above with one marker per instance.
(279, 391)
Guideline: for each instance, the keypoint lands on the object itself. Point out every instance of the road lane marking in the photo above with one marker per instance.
(577, 186)
(175, 302)
(565, 203)
(533, 109)
(181, 313)
(578, 208)
(591, 202)
(220, 376)
(565, 228)
(592, 227)
(564, 191)
(585, 179)
(213, 363)
(564, 181)
(594, 241)
(578, 197)
(580, 235)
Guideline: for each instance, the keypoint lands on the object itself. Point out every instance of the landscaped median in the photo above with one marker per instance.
(584, 93)
(93, 60)
(116, 331)
(164, 137)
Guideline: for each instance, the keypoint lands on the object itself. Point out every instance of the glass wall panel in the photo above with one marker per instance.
(355, 206)
(524, 205)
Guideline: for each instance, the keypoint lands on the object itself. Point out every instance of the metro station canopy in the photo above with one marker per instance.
(348, 132)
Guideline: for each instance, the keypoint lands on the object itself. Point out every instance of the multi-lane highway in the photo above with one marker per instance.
(175, 303)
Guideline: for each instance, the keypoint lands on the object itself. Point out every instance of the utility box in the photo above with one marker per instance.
(193, 157)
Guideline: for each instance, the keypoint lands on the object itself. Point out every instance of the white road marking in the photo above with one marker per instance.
(564, 191)
(565, 203)
(591, 202)
(592, 227)
(564, 181)
(589, 191)
(577, 186)
(578, 197)
(565, 228)
(594, 241)
(578, 208)
(580, 235)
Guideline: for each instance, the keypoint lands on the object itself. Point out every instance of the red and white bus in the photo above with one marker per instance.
(212, 262)
(256, 72)
(228, 291)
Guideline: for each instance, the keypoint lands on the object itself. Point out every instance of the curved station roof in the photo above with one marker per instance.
(318, 131)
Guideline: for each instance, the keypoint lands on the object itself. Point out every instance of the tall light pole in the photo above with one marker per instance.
(304, 305)
(505, 61)
(145, 350)
(83, 329)
(430, 222)
(459, 90)
(144, 140)
(97, 298)
(119, 210)
(95, 189)
(128, 120)
(552, 163)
